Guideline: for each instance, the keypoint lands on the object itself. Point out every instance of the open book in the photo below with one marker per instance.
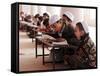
(60, 43)
(55, 41)
(48, 37)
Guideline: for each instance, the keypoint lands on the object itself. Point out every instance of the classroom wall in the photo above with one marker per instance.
(79, 14)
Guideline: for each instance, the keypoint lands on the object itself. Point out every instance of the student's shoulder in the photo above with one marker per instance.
(90, 43)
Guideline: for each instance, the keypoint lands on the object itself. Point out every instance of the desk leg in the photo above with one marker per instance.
(36, 47)
(33, 35)
(43, 53)
(32, 39)
(53, 58)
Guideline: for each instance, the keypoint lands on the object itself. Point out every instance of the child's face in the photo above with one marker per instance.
(57, 26)
(78, 32)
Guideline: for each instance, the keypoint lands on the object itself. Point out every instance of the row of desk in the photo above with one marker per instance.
(46, 40)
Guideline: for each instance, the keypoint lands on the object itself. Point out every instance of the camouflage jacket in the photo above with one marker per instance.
(87, 52)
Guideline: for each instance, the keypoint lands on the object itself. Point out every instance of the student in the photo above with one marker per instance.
(55, 25)
(44, 22)
(46, 17)
(28, 18)
(85, 55)
(63, 31)
(21, 16)
(36, 19)
(40, 19)
(54, 20)
(87, 49)
(68, 28)
(63, 28)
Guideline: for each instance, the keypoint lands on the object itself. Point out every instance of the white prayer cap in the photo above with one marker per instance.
(69, 15)
(85, 26)
(53, 19)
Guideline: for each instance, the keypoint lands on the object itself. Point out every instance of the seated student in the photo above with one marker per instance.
(55, 26)
(45, 23)
(61, 31)
(46, 17)
(85, 56)
(68, 28)
(36, 18)
(64, 28)
(28, 18)
(40, 19)
(21, 16)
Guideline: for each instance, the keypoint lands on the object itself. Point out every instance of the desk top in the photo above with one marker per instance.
(28, 24)
(50, 41)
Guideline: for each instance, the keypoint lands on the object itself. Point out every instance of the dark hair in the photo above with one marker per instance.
(28, 17)
(40, 18)
(45, 14)
(37, 15)
(80, 26)
(21, 12)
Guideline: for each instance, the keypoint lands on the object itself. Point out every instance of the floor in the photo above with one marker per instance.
(28, 61)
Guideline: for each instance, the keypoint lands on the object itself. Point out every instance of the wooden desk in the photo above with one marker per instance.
(34, 27)
(29, 24)
(53, 45)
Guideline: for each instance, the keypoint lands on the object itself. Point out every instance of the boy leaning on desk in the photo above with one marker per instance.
(81, 52)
